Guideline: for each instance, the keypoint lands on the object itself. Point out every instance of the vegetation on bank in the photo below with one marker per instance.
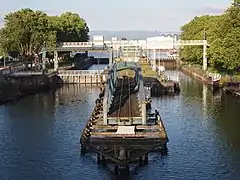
(223, 35)
(25, 32)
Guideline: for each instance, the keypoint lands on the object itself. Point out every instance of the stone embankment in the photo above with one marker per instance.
(232, 88)
(14, 86)
(199, 74)
(228, 86)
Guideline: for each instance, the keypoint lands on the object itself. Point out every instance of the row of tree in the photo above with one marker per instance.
(27, 31)
(222, 33)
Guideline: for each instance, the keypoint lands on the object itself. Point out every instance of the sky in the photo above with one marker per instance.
(159, 15)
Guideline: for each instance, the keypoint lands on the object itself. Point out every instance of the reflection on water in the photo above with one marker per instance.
(39, 136)
(204, 99)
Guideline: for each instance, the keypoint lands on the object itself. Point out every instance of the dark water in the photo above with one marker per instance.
(39, 136)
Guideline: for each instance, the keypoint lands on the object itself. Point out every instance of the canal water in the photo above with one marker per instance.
(39, 136)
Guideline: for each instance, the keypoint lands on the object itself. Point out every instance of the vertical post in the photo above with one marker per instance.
(144, 113)
(147, 52)
(4, 61)
(204, 55)
(110, 56)
(116, 52)
(159, 62)
(175, 42)
(154, 56)
(105, 109)
(135, 53)
(44, 53)
(55, 60)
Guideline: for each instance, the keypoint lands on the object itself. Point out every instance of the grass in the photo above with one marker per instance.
(148, 72)
(126, 72)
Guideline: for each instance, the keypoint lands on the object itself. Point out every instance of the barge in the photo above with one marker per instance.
(121, 130)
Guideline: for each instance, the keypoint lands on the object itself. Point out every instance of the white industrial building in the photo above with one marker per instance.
(161, 42)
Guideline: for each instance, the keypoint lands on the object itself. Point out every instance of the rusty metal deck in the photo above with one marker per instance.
(125, 102)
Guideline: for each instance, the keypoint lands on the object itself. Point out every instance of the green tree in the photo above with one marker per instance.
(226, 43)
(1, 51)
(222, 33)
(197, 29)
(27, 31)
(70, 27)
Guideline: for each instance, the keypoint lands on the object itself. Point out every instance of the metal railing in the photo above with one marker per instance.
(138, 43)
(79, 72)
(105, 45)
(191, 42)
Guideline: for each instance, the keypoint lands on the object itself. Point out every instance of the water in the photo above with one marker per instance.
(97, 66)
(39, 136)
(99, 54)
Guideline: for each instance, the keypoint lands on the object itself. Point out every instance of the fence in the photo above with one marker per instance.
(79, 72)
(82, 76)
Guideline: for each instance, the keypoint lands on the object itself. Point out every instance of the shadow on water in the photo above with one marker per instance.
(39, 136)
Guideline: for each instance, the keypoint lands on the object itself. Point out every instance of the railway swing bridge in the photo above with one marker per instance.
(120, 130)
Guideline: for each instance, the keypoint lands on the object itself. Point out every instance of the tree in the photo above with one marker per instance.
(226, 45)
(1, 51)
(223, 35)
(197, 29)
(27, 31)
(70, 27)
